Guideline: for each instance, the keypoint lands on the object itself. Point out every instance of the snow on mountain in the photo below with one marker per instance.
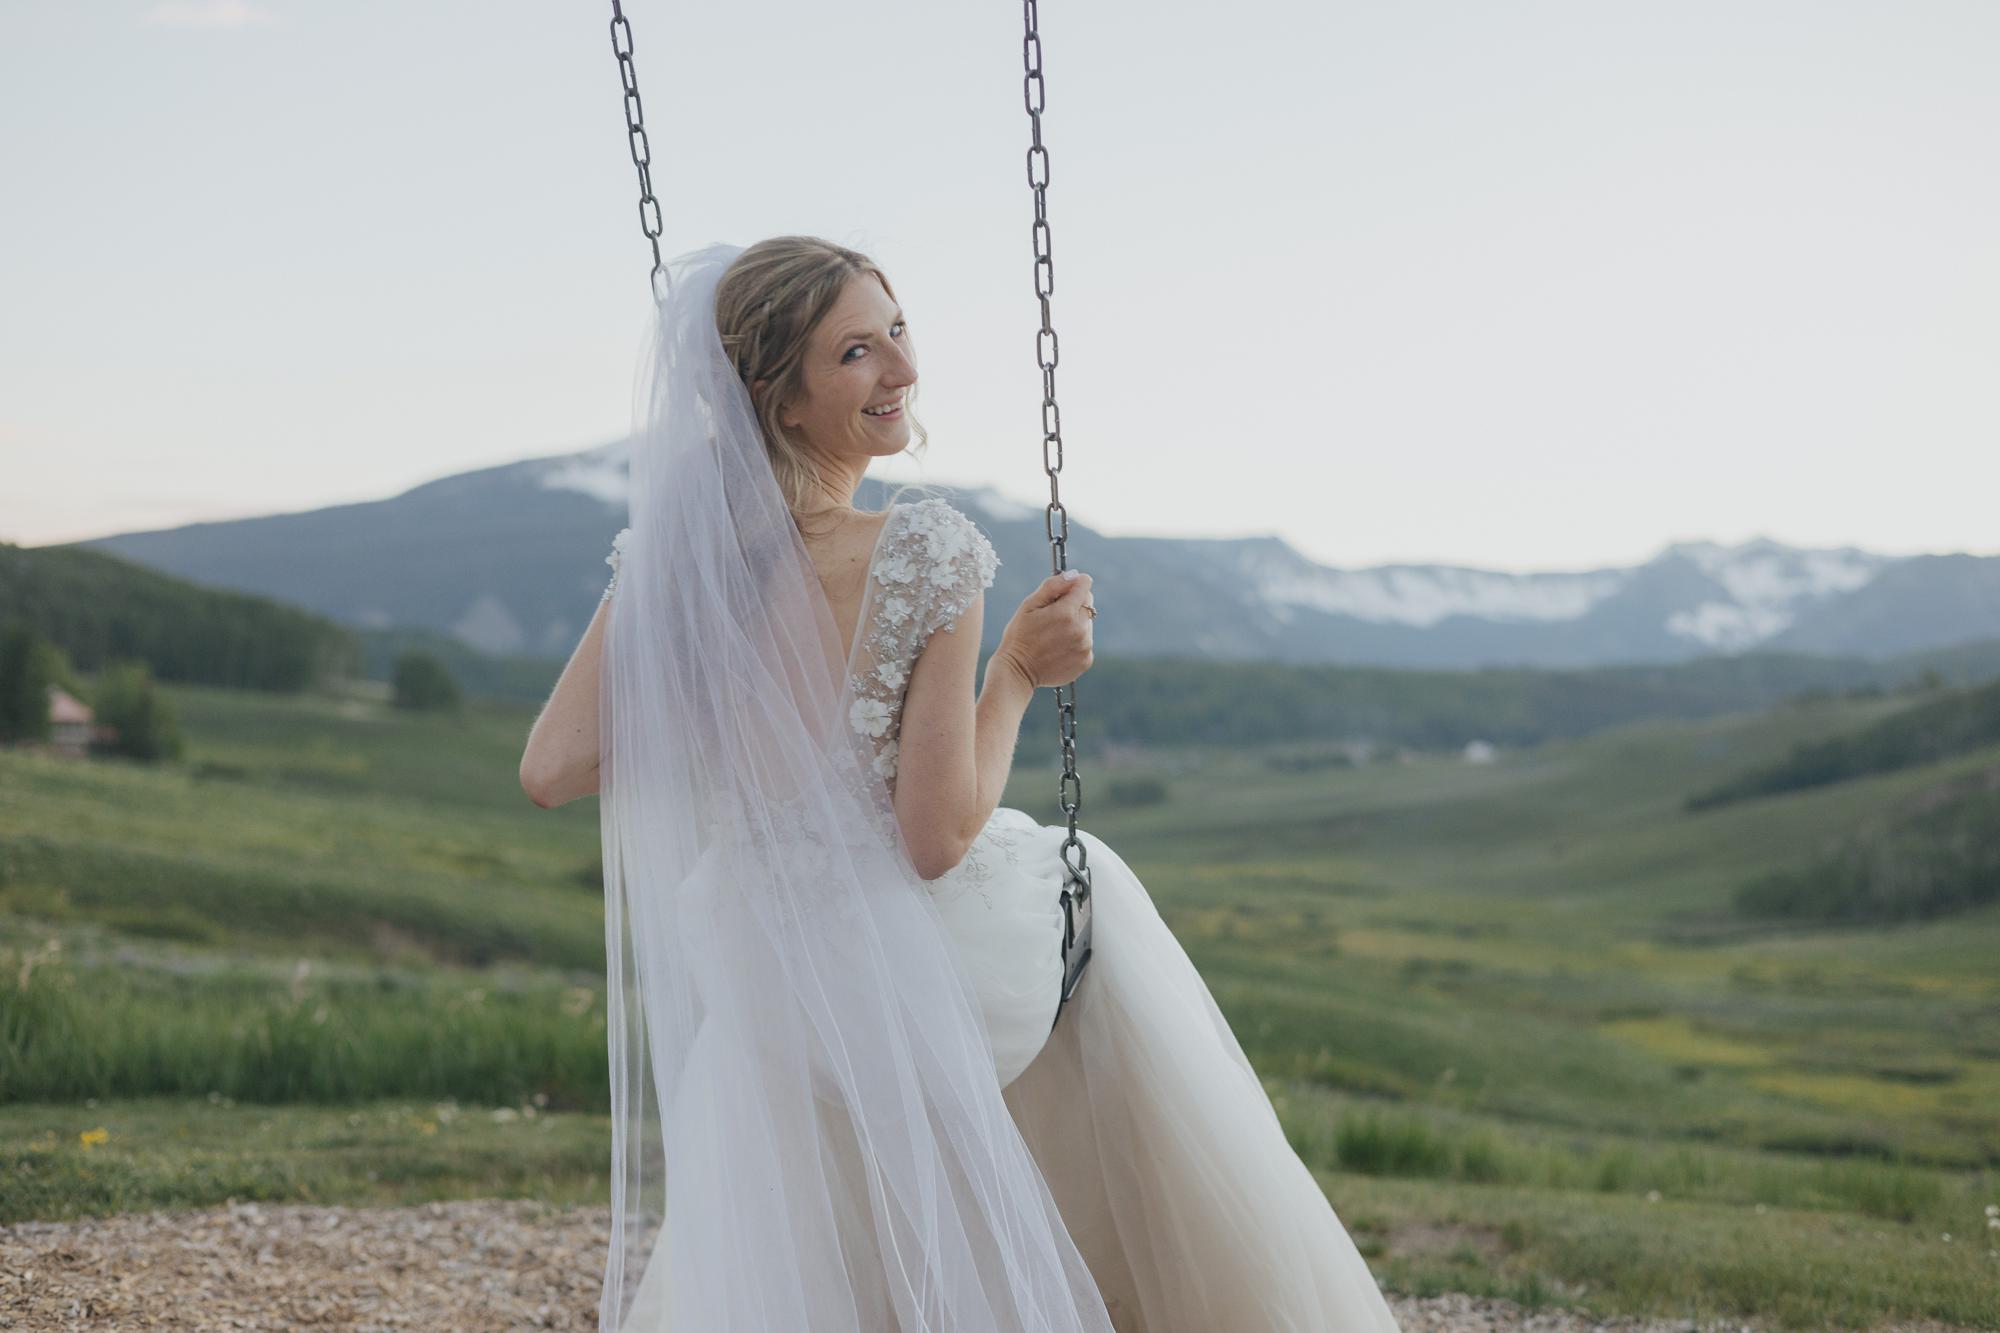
(1766, 584)
(1001, 508)
(1422, 595)
(603, 473)
(1758, 587)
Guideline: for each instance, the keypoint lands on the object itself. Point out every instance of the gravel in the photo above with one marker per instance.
(483, 1264)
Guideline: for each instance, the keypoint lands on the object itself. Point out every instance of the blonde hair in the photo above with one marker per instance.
(767, 305)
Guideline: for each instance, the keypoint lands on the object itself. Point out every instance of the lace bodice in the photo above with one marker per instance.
(930, 562)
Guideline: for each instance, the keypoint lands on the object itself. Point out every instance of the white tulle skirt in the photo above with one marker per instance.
(1156, 1138)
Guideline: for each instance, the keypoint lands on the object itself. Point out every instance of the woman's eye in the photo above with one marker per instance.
(849, 354)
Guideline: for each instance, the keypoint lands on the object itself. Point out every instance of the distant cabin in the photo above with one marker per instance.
(1479, 752)
(71, 724)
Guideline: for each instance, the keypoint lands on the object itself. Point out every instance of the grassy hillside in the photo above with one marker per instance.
(1954, 722)
(1935, 853)
(99, 608)
(1509, 1010)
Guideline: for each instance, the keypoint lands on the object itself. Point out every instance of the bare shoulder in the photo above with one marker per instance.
(839, 552)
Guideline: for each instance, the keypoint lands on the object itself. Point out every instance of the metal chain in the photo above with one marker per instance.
(1055, 519)
(642, 150)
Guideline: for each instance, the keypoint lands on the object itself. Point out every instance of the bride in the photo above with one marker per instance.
(834, 960)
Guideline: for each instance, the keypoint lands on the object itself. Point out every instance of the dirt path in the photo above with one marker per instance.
(486, 1265)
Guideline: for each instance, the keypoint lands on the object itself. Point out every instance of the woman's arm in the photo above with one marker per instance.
(1003, 700)
(955, 752)
(560, 763)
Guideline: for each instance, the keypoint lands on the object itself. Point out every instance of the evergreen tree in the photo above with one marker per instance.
(25, 676)
(423, 682)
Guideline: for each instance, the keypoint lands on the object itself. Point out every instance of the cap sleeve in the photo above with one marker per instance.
(958, 558)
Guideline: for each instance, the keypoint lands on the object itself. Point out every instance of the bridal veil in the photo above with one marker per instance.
(797, 1060)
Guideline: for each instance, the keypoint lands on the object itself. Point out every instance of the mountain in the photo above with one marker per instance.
(509, 559)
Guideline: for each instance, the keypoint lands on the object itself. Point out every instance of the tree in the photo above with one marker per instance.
(424, 682)
(26, 672)
(141, 719)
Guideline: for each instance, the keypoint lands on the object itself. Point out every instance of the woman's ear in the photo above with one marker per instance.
(757, 389)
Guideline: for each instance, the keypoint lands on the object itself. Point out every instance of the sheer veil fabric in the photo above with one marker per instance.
(807, 1132)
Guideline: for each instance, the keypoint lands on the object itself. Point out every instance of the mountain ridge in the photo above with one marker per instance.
(508, 559)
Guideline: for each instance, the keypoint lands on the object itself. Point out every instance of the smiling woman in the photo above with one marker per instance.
(816, 331)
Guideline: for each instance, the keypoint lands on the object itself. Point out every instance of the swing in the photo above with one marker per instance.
(1075, 894)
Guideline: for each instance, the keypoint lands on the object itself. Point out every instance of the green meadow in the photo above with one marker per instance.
(1508, 1011)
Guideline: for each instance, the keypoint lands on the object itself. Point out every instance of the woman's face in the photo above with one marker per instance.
(858, 357)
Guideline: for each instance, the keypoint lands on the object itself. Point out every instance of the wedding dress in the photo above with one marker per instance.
(1157, 1141)
(836, 1106)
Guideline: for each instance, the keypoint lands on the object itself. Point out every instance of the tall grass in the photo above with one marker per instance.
(1411, 1143)
(67, 1034)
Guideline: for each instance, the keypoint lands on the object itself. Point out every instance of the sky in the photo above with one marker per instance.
(1529, 286)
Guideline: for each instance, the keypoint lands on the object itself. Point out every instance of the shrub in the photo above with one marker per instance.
(423, 682)
(140, 719)
(1377, 1144)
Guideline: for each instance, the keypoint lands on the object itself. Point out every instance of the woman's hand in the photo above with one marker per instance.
(1049, 637)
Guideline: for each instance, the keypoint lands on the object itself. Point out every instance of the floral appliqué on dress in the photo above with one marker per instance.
(613, 560)
(930, 562)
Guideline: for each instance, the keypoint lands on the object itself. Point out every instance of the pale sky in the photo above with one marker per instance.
(1514, 285)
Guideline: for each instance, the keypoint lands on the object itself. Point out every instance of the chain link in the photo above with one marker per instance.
(642, 149)
(1055, 518)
